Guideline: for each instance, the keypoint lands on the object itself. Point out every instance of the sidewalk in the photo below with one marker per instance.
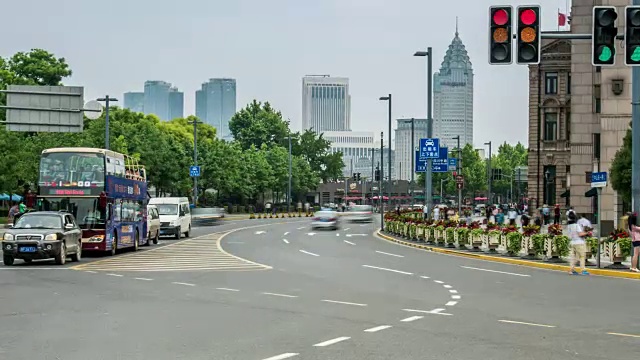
(561, 265)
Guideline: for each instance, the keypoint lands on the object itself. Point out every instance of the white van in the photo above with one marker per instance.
(175, 215)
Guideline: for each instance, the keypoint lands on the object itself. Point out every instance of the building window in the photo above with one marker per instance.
(551, 83)
(587, 176)
(569, 83)
(550, 126)
(597, 103)
(596, 146)
(568, 126)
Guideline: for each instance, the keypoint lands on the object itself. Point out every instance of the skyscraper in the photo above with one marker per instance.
(453, 96)
(326, 103)
(403, 153)
(159, 98)
(134, 101)
(216, 104)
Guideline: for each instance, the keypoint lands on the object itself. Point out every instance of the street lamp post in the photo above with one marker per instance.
(428, 194)
(458, 169)
(490, 173)
(381, 178)
(289, 188)
(107, 99)
(388, 98)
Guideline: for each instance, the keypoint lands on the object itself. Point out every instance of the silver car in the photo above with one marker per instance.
(325, 219)
(360, 213)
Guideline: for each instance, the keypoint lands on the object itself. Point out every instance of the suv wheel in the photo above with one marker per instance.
(8, 260)
(188, 231)
(178, 233)
(61, 257)
(78, 255)
(156, 238)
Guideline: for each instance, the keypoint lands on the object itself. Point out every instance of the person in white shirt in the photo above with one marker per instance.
(436, 213)
(512, 214)
(584, 222)
(425, 212)
(578, 245)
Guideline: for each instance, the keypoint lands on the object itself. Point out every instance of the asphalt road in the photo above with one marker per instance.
(283, 291)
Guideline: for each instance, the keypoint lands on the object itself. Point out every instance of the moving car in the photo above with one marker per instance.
(153, 224)
(360, 213)
(175, 215)
(43, 235)
(325, 219)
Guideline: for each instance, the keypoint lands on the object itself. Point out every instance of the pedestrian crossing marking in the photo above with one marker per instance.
(197, 254)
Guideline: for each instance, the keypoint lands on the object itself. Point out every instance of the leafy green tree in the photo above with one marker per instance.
(257, 124)
(38, 67)
(508, 158)
(621, 170)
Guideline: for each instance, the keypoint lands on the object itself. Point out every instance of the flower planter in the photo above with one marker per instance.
(614, 252)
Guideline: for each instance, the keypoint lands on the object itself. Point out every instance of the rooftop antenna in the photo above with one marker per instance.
(456, 26)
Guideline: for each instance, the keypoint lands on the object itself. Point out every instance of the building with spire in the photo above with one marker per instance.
(453, 96)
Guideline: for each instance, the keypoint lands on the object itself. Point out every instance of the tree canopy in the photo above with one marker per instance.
(621, 170)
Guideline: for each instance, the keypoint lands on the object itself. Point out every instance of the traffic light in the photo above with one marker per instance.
(500, 49)
(358, 176)
(604, 32)
(377, 175)
(528, 36)
(632, 36)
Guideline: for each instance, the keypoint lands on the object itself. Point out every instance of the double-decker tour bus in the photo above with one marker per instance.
(105, 191)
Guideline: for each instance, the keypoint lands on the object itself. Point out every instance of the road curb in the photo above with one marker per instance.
(504, 260)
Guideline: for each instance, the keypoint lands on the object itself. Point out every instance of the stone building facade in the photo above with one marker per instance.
(600, 113)
(550, 125)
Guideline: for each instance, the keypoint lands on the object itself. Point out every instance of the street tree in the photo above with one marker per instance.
(621, 170)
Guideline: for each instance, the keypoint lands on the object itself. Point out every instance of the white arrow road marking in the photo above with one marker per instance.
(350, 235)
(260, 232)
(311, 234)
(309, 253)
(349, 242)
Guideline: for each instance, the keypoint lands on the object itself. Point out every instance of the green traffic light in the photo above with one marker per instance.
(606, 54)
(635, 56)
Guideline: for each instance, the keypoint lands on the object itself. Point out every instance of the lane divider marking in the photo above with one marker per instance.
(495, 271)
(451, 303)
(438, 282)
(626, 335)
(332, 341)
(349, 242)
(282, 356)
(285, 240)
(280, 295)
(526, 323)
(377, 328)
(227, 289)
(390, 254)
(116, 275)
(385, 269)
(343, 302)
(183, 283)
(143, 279)
(455, 297)
(412, 318)
(308, 253)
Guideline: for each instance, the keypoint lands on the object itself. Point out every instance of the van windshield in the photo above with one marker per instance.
(167, 209)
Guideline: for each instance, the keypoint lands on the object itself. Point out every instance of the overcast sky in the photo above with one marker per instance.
(268, 46)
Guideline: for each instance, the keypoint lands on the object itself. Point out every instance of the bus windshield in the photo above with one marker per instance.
(69, 169)
(87, 211)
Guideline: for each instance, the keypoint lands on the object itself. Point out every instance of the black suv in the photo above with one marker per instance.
(43, 235)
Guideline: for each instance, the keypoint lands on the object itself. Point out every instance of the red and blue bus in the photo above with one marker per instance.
(105, 191)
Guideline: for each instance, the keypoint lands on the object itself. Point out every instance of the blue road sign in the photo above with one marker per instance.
(194, 171)
(599, 179)
(429, 149)
(453, 164)
(439, 165)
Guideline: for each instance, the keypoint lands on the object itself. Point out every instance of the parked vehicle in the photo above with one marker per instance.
(175, 215)
(43, 235)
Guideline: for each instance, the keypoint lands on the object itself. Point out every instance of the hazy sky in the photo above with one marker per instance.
(268, 46)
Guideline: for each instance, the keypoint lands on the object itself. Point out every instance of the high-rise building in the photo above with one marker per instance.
(159, 98)
(216, 105)
(403, 151)
(355, 147)
(453, 96)
(326, 103)
(134, 101)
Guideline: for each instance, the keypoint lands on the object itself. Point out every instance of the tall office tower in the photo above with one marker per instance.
(326, 103)
(453, 96)
(163, 100)
(403, 151)
(216, 105)
(134, 101)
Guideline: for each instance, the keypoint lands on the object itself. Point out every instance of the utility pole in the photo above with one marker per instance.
(107, 99)
(428, 194)
(289, 188)
(388, 99)
(381, 180)
(373, 177)
(458, 171)
(195, 159)
(635, 141)
(490, 173)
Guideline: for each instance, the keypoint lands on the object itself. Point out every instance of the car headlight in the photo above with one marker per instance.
(51, 237)
(8, 237)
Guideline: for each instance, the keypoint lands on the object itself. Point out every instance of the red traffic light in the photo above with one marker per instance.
(500, 17)
(528, 16)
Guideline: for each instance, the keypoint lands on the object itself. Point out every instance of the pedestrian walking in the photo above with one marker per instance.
(634, 231)
(578, 245)
(513, 214)
(556, 214)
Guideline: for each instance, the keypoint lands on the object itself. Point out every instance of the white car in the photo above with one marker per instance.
(325, 219)
(360, 213)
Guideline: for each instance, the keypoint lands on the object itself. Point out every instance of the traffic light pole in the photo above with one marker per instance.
(635, 140)
(381, 180)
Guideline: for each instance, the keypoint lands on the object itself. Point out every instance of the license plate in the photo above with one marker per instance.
(27, 249)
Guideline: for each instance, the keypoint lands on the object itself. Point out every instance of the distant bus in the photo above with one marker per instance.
(105, 191)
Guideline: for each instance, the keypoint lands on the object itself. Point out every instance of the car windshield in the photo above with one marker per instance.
(167, 209)
(38, 221)
(88, 212)
(326, 214)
